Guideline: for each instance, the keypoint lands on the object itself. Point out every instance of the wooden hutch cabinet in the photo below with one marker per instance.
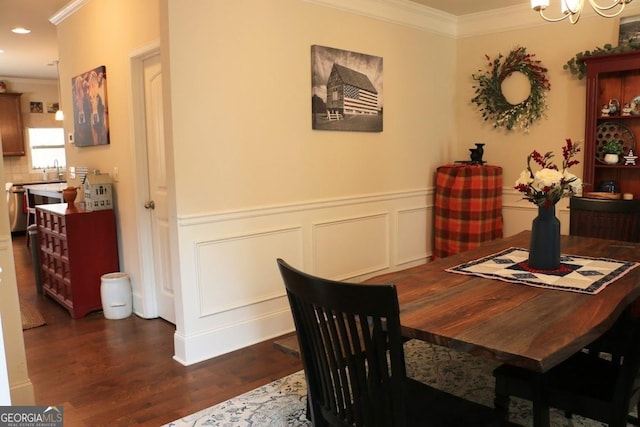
(76, 248)
(611, 78)
(11, 128)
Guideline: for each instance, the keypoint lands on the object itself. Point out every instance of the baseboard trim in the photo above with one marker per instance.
(205, 345)
(22, 393)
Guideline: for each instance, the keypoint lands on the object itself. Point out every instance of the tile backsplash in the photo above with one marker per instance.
(17, 170)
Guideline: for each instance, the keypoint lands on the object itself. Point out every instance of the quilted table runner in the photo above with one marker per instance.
(576, 273)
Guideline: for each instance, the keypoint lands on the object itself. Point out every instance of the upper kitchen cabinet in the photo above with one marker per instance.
(11, 128)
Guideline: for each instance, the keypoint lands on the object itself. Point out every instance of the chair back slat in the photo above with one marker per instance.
(351, 348)
(605, 219)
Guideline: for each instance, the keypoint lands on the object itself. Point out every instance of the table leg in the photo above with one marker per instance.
(540, 404)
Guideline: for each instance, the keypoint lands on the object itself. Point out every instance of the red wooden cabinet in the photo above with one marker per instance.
(76, 248)
(612, 77)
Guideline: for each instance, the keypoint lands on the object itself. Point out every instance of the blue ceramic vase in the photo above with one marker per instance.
(544, 250)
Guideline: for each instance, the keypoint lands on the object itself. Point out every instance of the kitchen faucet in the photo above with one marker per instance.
(57, 166)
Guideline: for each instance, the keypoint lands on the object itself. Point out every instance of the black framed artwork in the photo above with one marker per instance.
(629, 31)
(35, 107)
(346, 90)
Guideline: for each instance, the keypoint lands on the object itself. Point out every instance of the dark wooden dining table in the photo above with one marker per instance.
(531, 327)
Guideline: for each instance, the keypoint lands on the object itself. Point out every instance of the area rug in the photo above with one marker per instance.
(31, 317)
(283, 402)
(581, 274)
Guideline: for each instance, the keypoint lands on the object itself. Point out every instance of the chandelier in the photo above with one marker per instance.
(573, 8)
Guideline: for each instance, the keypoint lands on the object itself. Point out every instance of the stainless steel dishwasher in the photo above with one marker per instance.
(17, 214)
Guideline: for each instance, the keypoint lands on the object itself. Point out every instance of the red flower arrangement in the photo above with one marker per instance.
(550, 184)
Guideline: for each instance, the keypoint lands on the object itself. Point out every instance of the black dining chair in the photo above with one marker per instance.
(601, 382)
(353, 359)
(604, 218)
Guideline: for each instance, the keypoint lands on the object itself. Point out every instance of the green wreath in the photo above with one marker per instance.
(495, 107)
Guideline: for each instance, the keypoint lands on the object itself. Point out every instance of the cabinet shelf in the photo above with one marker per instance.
(613, 118)
(614, 76)
(599, 166)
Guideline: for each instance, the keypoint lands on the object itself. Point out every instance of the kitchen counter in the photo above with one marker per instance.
(42, 194)
(51, 181)
(48, 190)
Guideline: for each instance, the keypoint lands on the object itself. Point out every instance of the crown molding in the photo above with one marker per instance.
(68, 10)
(498, 20)
(519, 17)
(403, 12)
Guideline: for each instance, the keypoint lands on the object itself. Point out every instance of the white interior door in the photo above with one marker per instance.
(157, 203)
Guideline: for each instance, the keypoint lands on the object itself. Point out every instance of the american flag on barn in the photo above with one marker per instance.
(351, 92)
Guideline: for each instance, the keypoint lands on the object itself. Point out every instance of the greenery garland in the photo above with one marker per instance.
(578, 68)
(495, 107)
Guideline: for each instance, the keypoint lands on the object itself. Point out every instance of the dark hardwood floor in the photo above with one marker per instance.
(121, 372)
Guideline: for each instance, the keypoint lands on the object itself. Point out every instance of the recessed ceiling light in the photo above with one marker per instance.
(1, 51)
(20, 30)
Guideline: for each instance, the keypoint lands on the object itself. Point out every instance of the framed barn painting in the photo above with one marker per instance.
(90, 111)
(346, 90)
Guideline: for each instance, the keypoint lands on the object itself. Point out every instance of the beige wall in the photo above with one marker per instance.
(553, 44)
(107, 32)
(19, 382)
(243, 144)
(241, 93)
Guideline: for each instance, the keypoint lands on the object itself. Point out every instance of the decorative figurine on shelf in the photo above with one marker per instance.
(626, 110)
(476, 154)
(614, 107)
(605, 110)
(630, 158)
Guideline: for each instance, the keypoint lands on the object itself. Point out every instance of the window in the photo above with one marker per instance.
(46, 146)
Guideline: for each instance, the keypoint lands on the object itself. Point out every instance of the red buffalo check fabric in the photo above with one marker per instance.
(468, 207)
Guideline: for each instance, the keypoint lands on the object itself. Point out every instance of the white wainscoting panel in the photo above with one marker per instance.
(232, 272)
(351, 247)
(413, 228)
(231, 292)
